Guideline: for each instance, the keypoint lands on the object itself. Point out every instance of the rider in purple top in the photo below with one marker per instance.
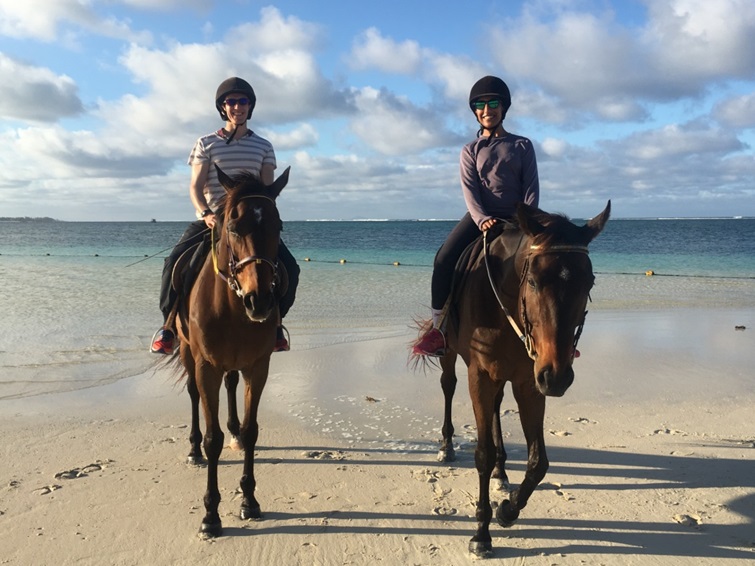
(498, 171)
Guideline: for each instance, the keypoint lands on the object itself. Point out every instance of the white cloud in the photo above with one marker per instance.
(392, 125)
(737, 112)
(43, 20)
(304, 135)
(373, 51)
(35, 94)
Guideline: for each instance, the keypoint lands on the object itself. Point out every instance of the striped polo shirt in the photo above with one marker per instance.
(248, 153)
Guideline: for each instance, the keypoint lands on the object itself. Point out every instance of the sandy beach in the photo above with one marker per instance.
(652, 456)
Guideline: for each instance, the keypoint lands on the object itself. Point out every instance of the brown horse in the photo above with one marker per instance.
(517, 316)
(230, 325)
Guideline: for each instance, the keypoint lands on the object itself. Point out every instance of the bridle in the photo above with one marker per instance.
(526, 336)
(236, 265)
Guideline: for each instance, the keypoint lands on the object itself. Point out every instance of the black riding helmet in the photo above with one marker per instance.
(491, 86)
(234, 84)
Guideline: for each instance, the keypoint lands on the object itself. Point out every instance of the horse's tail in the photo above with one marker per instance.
(418, 361)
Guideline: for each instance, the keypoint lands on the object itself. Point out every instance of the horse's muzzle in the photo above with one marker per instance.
(554, 383)
(259, 307)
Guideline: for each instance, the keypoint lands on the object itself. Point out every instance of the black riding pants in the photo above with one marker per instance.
(465, 232)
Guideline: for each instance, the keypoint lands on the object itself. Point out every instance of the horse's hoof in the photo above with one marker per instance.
(481, 549)
(210, 530)
(506, 514)
(446, 455)
(248, 513)
(235, 443)
(195, 460)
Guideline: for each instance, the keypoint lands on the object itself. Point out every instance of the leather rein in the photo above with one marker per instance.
(236, 265)
(526, 336)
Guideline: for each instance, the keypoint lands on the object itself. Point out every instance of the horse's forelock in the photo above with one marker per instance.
(557, 229)
(245, 184)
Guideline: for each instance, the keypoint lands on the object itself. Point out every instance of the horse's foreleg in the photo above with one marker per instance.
(531, 414)
(208, 382)
(231, 383)
(448, 384)
(499, 472)
(482, 392)
(254, 384)
(195, 435)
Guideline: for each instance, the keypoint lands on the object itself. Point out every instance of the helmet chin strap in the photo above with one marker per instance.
(233, 133)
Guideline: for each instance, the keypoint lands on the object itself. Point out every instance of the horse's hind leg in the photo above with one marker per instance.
(448, 384)
(231, 383)
(499, 472)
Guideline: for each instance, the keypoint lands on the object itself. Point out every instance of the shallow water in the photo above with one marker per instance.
(83, 315)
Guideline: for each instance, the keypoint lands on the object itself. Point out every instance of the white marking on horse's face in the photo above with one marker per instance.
(565, 274)
(257, 214)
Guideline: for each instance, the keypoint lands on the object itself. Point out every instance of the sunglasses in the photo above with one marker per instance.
(492, 104)
(234, 101)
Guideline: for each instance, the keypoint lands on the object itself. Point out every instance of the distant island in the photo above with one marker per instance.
(27, 219)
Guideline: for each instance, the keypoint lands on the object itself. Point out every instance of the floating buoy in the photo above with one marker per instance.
(96, 255)
(342, 261)
(306, 259)
(397, 263)
(650, 272)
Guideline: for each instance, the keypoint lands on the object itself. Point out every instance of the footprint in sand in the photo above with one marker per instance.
(669, 431)
(688, 520)
(559, 433)
(582, 420)
(324, 455)
(75, 473)
(444, 511)
(44, 490)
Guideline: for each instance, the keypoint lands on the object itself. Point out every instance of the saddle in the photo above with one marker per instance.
(471, 258)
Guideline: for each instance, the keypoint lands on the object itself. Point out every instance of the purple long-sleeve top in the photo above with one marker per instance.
(497, 174)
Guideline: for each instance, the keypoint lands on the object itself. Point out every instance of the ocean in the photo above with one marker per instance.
(79, 299)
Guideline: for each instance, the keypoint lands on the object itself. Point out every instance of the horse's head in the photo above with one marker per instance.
(249, 240)
(556, 279)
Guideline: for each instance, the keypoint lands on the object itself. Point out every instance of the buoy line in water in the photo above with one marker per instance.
(344, 261)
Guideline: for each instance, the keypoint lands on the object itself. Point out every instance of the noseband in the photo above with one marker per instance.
(526, 336)
(236, 265)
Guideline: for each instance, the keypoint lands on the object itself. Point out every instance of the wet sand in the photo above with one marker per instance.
(652, 454)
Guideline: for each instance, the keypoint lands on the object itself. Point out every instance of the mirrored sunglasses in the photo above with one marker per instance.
(234, 101)
(492, 104)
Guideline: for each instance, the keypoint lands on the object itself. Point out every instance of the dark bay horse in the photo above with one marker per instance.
(230, 325)
(517, 317)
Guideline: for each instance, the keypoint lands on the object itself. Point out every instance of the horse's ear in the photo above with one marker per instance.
(277, 186)
(595, 225)
(528, 217)
(224, 179)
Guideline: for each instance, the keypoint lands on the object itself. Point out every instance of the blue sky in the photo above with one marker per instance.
(648, 103)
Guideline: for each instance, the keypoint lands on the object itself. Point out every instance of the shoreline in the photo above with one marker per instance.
(651, 452)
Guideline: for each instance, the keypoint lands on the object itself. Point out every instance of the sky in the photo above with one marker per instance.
(648, 103)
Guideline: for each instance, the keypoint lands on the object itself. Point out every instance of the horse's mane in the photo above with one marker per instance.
(557, 229)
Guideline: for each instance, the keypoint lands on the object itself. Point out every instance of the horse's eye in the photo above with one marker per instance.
(531, 283)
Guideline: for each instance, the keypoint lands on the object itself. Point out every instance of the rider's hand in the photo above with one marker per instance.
(209, 220)
(488, 224)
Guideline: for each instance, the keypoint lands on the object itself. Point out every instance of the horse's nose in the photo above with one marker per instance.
(258, 308)
(249, 300)
(554, 383)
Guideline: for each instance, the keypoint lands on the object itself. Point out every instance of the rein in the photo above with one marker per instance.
(526, 336)
(234, 265)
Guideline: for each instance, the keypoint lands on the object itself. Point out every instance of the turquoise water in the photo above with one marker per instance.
(79, 300)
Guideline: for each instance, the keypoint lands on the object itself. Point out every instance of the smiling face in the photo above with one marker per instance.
(236, 106)
(489, 118)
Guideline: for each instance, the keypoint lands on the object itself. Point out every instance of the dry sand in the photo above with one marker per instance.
(652, 460)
